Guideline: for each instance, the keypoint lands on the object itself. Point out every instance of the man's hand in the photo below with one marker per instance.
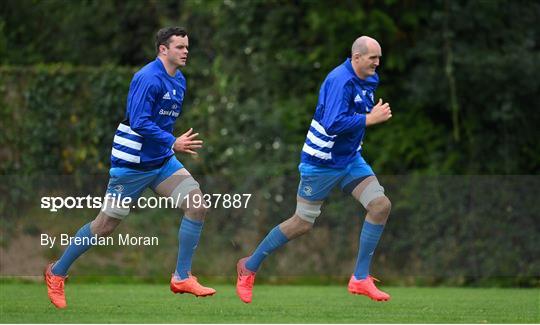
(186, 144)
(380, 113)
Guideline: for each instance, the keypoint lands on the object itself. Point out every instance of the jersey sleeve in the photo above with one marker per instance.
(144, 96)
(337, 118)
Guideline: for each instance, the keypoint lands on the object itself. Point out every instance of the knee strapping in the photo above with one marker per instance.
(372, 191)
(182, 190)
(307, 212)
(114, 209)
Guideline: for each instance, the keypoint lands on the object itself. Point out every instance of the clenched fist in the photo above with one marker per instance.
(381, 112)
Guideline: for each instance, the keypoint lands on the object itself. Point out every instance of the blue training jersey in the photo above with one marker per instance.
(335, 135)
(144, 139)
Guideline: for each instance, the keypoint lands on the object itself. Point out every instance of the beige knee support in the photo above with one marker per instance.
(114, 209)
(308, 212)
(182, 190)
(372, 191)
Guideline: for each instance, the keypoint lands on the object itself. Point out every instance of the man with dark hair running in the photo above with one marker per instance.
(142, 156)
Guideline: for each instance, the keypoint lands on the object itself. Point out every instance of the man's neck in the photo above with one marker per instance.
(171, 70)
(357, 72)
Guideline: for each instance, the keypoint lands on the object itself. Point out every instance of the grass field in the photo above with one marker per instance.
(150, 303)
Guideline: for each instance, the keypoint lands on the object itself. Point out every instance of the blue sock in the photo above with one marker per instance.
(369, 238)
(270, 243)
(188, 237)
(73, 251)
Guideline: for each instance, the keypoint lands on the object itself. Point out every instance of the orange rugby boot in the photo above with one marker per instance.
(244, 281)
(367, 287)
(190, 285)
(55, 287)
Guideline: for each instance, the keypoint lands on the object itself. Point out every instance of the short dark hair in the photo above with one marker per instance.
(163, 36)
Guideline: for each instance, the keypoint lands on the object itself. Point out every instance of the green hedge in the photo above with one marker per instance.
(59, 120)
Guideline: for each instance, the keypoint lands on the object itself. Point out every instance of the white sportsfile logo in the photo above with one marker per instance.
(167, 96)
(357, 99)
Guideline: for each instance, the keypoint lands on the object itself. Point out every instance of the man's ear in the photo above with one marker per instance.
(163, 49)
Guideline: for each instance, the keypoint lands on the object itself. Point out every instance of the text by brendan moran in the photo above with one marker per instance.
(120, 240)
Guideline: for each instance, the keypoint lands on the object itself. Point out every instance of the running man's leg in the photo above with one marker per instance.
(125, 181)
(185, 191)
(56, 273)
(103, 225)
(299, 224)
(315, 185)
(364, 187)
(371, 194)
(183, 188)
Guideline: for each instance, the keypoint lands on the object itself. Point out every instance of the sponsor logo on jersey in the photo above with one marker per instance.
(167, 96)
(357, 99)
(169, 113)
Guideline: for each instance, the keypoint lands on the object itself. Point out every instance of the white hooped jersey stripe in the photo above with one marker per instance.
(127, 144)
(317, 126)
(316, 153)
(125, 156)
(318, 142)
(127, 129)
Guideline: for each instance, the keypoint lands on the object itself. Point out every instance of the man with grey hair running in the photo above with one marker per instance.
(331, 155)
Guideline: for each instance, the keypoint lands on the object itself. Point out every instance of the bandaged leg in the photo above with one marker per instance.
(368, 190)
(177, 186)
(114, 208)
(371, 194)
(307, 210)
(181, 187)
(187, 187)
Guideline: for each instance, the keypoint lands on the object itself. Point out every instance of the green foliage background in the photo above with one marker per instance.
(461, 77)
